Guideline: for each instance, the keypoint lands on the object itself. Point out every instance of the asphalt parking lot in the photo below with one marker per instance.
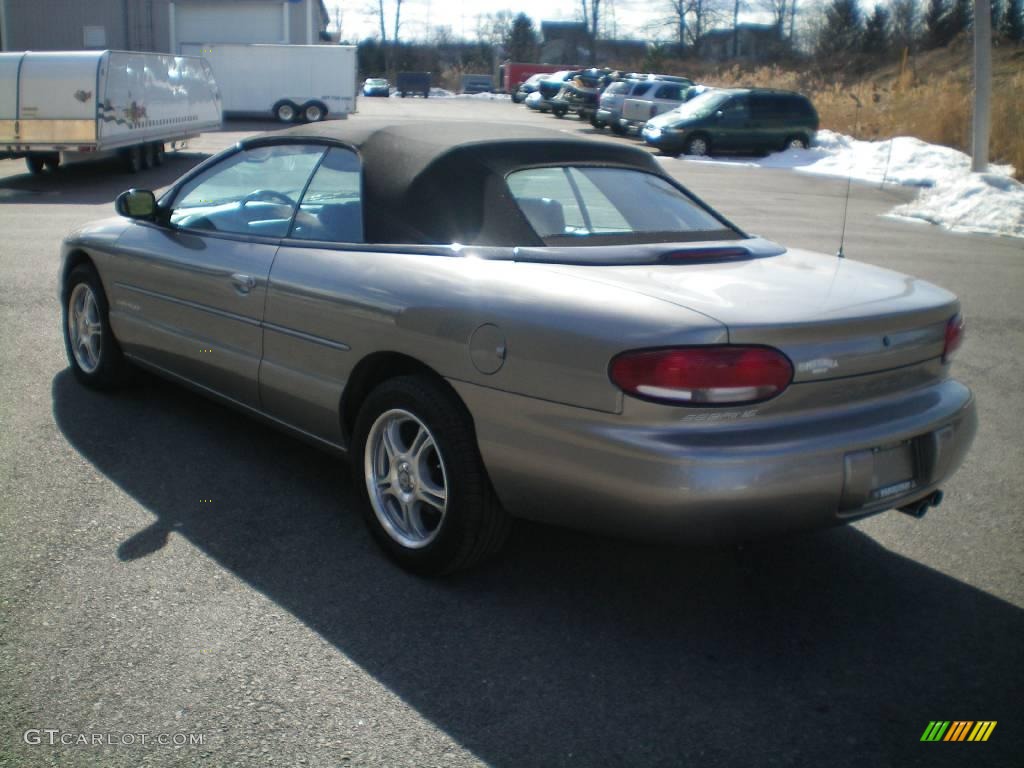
(265, 626)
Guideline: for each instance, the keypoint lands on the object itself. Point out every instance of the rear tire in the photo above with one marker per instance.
(795, 142)
(148, 156)
(52, 162)
(414, 440)
(285, 111)
(35, 164)
(617, 129)
(314, 112)
(94, 355)
(558, 112)
(159, 153)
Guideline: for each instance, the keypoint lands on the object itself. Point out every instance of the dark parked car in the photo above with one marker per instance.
(376, 86)
(493, 321)
(735, 120)
(528, 87)
(411, 83)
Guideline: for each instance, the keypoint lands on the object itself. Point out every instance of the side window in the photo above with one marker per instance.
(576, 203)
(252, 192)
(736, 108)
(332, 207)
(641, 88)
(546, 197)
(668, 92)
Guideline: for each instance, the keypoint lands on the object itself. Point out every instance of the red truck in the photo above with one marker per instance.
(512, 74)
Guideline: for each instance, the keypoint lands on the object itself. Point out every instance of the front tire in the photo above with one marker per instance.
(131, 159)
(415, 463)
(698, 146)
(285, 111)
(93, 352)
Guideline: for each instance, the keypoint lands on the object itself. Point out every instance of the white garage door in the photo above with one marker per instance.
(232, 22)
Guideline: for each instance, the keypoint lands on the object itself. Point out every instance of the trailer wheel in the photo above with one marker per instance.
(159, 153)
(52, 162)
(148, 152)
(314, 112)
(34, 163)
(285, 111)
(131, 159)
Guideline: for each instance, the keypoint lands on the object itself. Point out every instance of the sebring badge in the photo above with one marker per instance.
(817, 366)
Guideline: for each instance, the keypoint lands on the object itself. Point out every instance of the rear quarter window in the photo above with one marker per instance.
(580, 205)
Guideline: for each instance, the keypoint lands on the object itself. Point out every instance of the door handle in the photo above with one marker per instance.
(243, 283)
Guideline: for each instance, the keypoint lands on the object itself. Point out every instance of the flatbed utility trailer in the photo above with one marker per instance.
(65, 106)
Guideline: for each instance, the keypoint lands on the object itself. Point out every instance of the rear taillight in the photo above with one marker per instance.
(954, 336)
(722, 375)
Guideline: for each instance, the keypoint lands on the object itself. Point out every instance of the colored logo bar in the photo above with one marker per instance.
(958, 730)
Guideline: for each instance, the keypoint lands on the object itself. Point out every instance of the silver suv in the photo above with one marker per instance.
(609, 112)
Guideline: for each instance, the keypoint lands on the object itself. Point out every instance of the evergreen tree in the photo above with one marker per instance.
(876, 31)
(960, 17)
(1013, 21)
(521, 43)
(936, 24)
(843, 30)
(997, 15)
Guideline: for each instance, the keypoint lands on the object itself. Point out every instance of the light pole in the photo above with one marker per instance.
(982, 85)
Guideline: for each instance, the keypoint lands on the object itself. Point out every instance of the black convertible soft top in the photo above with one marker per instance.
(444, 182)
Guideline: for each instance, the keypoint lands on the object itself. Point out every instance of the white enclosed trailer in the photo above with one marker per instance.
(289, 82)
(65, 106)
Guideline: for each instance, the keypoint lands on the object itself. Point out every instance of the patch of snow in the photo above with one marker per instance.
(441, 93)
(953, 197)
(485, 96)
(976, 202)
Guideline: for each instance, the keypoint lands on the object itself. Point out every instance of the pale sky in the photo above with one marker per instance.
(418, 16)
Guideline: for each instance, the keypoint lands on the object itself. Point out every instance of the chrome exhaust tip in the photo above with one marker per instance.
(921, 506)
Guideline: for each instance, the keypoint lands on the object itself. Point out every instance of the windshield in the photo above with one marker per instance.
(701, 106)
(376, 81)
(602, 206)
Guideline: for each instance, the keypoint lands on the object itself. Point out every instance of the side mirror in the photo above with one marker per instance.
(136, 204)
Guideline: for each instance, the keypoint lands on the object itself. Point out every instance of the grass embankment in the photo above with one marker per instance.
(927, 96)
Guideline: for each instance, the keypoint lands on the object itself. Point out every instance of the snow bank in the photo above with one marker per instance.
(443, 93)
(955, 198)
(975, 202)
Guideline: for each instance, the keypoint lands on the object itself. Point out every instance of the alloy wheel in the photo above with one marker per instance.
(406, 478)
(84, 328)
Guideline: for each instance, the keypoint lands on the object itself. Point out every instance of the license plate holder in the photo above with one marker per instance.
(894, 470)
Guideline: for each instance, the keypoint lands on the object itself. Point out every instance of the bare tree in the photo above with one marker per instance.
(398, 20)
(592, 18)
(690, 19)
(779, 12)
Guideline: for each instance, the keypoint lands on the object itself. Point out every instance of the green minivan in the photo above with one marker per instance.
(735, 120)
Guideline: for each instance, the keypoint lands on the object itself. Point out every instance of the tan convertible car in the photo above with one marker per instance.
(497, 321)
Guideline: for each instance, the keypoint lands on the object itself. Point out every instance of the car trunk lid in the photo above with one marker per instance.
(832, 317)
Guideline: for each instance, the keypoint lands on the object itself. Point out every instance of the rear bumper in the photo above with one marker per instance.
(694, 479)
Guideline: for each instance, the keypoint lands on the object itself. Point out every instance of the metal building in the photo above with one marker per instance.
(156, 25)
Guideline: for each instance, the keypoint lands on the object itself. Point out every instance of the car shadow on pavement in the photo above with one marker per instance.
(824, 649)
(93, 182)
